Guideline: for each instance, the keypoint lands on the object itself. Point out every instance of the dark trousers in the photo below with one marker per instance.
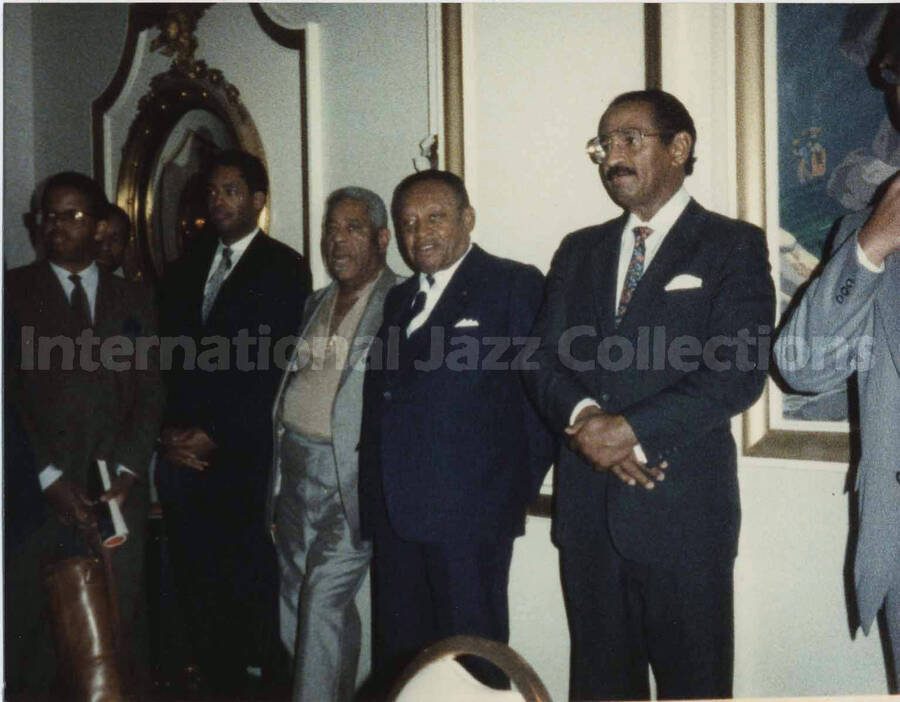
(422, 593)
(224, 568)
(624, 615)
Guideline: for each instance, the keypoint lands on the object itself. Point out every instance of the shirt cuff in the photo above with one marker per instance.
(123, 469)
(865, 262)
(48, 476)
(639, 453)
(586, 402)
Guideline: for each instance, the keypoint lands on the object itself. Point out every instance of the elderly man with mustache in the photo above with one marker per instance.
(646, 509)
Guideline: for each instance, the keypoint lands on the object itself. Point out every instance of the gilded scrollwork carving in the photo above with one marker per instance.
(188, 84)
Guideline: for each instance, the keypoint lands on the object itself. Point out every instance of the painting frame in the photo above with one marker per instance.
(757, 199)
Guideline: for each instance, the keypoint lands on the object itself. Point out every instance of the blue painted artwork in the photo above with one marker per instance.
(826, 110)
(835, 145)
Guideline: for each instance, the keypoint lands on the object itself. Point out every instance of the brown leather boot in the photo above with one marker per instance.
(83, 629)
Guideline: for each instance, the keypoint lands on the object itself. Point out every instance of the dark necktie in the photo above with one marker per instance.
(418, 304)
(215, 281)
(79, 301)
(635, 270)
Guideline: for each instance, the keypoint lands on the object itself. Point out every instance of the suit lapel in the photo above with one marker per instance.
(604, 272)
(679, 245)
(52, 290)
(456, 297)
(244, 271)
(370, 321)
(103, 308)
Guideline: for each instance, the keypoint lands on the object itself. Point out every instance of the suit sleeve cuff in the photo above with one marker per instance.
(586, 402)
(48, 476)
(865, 262)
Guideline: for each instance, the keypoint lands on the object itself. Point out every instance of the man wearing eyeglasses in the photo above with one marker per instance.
(79, 404)
(646, 509)
(852, 311)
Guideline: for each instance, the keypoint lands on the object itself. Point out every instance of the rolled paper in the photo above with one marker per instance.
(118, 534)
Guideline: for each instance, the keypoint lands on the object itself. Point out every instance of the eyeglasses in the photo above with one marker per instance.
(66, 216)
(630, 138)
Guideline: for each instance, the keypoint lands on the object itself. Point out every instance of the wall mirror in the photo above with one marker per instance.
(155, 130)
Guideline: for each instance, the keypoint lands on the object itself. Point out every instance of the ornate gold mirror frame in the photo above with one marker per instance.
(188, 85)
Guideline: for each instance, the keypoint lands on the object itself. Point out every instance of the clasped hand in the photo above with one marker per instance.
(607, 442)
(191, 447)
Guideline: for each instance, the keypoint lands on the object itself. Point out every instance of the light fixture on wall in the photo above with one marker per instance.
(428, 154)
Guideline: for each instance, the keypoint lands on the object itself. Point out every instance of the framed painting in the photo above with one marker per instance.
(811, 136)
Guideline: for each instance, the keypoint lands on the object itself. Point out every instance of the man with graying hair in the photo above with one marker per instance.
(313, 504)
(851, 311)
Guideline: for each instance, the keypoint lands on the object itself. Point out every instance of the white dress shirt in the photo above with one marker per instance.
(237, 250)
(661, 223)
(90, 278)
(433, 292)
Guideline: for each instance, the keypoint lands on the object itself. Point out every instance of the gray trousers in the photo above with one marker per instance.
(322, 566)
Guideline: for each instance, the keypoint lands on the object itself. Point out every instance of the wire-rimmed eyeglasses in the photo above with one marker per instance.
(631, 139)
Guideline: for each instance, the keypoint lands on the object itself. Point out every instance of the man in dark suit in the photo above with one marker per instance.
(236, 298)
(96, 396)
(647, 510)
(451, 449)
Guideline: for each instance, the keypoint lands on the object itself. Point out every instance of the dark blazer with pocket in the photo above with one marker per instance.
(91, 406)
(672, 368)
(449, 437)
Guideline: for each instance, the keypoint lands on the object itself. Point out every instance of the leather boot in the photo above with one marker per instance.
(83, 629)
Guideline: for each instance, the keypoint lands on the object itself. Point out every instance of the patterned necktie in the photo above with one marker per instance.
(215, 281)
(418, 304)
(635, 270)
(79, 301)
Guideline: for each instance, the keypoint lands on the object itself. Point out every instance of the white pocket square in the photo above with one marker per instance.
(466, 322)
(685, 281)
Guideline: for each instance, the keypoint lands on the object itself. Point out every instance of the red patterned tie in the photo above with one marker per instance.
(634, 272)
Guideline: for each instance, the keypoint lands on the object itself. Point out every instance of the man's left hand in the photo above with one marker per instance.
(604, 439)
(119, 488)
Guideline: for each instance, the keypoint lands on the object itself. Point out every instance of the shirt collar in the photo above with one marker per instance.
(443, 276)
(89, 276)
(238, 247)
(665, 218)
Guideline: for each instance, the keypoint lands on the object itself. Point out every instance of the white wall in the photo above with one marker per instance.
(57, 58)
(18, 141)
(537, 78)
(374, 79)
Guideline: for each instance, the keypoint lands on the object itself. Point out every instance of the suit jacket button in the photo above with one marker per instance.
(605, 397)
(387, 395)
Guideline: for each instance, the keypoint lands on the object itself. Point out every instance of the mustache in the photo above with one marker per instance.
(619, 170)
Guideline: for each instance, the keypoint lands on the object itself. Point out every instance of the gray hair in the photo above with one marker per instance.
(375, 208)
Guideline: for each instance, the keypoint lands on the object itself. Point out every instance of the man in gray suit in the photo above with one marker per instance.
(849, 320)
(313, 505)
